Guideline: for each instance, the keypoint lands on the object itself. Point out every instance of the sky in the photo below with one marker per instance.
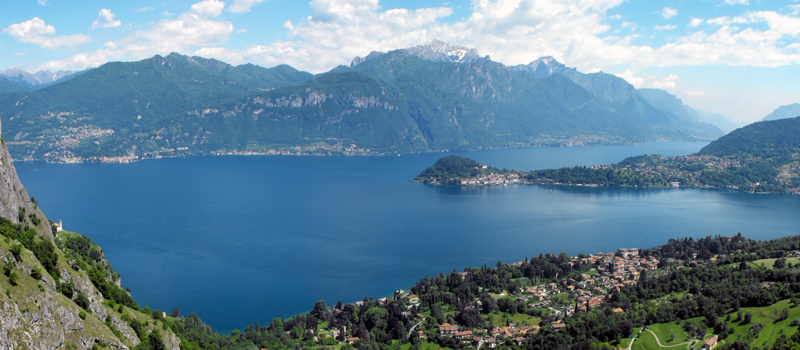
(740, 58)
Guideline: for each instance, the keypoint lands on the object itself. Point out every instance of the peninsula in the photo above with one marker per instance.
(761, 158)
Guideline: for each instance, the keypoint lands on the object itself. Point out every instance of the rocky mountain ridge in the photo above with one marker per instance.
(31, 80)
(429, 97)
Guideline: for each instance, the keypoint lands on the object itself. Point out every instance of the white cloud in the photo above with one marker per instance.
(668, 83)
(669, 12)
(579, 33)
(145, 9)
(342, 10)
(189, 29)
(661, 28)
(241, 6)
(697, 94)
(737, 2)
(211, 8)
(36, 31)
(105, 19)
(42, 2)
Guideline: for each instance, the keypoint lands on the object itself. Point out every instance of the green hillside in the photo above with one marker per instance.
(777, 138)
(760, 158)
(8, 86)
(395, 102)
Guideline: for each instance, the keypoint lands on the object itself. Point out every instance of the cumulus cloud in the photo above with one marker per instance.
(661, 28)
(183, 33)
(737, 2)
(36, 31)
(242, 6)
(342, 10)
(105, 19)
(579, 33)
(669, 12)
(668, 83)
(189, 29)
(211, 8)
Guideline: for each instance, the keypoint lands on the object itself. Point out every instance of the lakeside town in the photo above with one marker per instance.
(554, 299)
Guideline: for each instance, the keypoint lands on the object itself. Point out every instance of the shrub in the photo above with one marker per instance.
(83, 301)
(36, 273)
(16, 251)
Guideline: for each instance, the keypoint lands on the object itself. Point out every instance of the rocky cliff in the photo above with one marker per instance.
(38, 310)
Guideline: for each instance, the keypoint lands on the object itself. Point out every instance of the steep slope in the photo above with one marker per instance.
(662, 105)
(783, 112)
(48, 298)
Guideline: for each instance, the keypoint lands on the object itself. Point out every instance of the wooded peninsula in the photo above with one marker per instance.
(760, 158)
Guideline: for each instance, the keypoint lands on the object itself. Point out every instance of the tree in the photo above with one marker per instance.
(320, 310)
(747, 317)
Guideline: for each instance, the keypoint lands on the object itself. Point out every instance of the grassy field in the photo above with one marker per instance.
(762, 331)
(769, 263)
(766, 316)
(665, 330)
(626, 342)
(425, 345)
(499, 318)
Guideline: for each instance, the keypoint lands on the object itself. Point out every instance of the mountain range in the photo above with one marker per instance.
(784, 112)
(35, 80)
(430, 97)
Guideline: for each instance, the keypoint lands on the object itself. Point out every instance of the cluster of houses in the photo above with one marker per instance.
(493, 179)
(612, 271)
(490, 338)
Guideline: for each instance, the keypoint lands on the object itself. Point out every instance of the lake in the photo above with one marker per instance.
(243, 239)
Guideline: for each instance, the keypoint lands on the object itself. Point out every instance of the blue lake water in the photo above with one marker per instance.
(240, 240)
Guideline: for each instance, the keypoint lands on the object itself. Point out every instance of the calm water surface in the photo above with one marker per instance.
(240, 240)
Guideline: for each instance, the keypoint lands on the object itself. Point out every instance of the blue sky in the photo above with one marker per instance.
(740, 58)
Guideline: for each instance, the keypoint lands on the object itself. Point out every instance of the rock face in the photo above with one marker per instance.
(34, 314)
(15, 203)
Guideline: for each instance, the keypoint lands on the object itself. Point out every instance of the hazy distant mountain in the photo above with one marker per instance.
(721, 121)
(8, 86)
(783, 112)
(430, 97)
(665, 101)
(31, 80)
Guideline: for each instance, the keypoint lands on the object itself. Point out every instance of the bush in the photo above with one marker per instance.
(67, 288)
(16, 251)
(36, 273)
(13, 278)
(83, 301)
